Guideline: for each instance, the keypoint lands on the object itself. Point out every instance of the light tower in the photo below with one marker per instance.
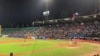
(46, 12)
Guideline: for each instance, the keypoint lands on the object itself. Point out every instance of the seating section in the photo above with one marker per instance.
(82, 30)
(13, 30)
(60, 31)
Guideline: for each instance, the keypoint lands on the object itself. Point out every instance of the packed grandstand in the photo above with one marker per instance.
(59, 31)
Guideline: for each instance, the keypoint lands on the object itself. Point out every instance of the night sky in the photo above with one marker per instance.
(24, 12)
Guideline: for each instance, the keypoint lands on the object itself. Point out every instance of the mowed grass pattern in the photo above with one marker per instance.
(44, 48)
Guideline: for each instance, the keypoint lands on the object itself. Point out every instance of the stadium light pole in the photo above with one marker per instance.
(47, 12)
(96, 6)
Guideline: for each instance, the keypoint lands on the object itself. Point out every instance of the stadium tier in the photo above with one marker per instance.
(65, 31)
(59, 31)
(17, 32)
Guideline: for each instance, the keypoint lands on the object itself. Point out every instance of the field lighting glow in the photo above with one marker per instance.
(46, 1)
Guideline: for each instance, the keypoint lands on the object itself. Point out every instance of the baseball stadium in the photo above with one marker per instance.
(78, 39)
(74, 31)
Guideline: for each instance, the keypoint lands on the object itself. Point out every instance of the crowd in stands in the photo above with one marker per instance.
(19, 34)
(69, 31)
(62, 31)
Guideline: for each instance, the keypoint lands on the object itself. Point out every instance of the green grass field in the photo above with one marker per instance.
(43, 48)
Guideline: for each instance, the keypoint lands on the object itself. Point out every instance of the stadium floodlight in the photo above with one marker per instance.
(76, 13)
(46, 13)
